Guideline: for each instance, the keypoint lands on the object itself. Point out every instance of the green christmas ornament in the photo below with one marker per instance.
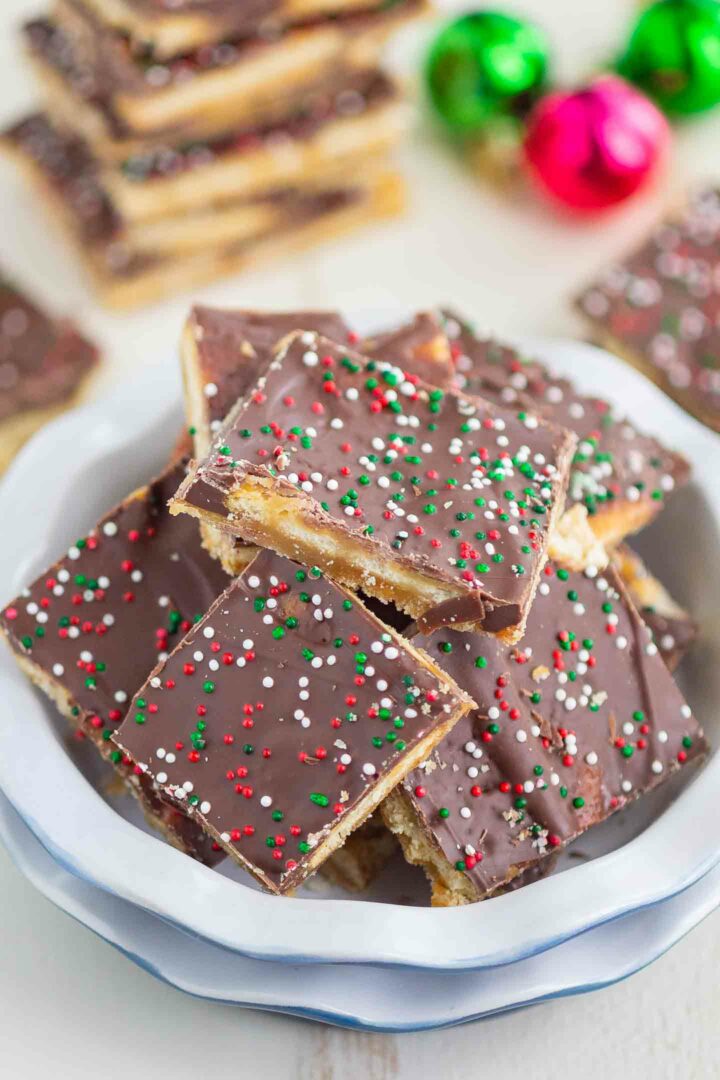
(674, 55)
(485, 68)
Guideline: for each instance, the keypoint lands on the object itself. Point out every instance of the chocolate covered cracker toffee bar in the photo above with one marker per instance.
(659, 308)
(99, 87)
(284, 718)
(438, 502)
(672, 628)
(571, 725)
(165, 28)
(621, 476)
(132, 265)
(327, 134)
(90, 629)
(44, 364)
(224, 352)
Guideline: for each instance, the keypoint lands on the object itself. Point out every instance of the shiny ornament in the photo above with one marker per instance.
(484, 67)
(594, 147)
(674, 55)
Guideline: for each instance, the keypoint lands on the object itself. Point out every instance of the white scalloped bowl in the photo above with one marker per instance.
(84, 462)
(384, 999)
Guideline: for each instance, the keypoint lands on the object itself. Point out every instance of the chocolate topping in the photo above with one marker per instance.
(614, 462)
(69, 168)
(447, 484)
(673, 634)
(572, 724)
(97, 621)
(420, 347)
(281, 712)
(663, 305)
(233, 348)
(42, 362)
(672, 628)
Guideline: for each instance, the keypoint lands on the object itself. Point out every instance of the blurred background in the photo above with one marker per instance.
(509, 260)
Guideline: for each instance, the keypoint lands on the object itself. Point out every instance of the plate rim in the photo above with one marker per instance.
(691, 908)
(132, 413)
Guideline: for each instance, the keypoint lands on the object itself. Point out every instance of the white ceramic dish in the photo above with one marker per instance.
(87, 460)
(384, 999)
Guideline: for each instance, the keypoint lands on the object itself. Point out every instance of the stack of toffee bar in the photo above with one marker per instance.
(399, 604)
(180, 141)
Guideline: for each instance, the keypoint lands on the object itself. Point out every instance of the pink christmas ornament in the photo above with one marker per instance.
(592, 148)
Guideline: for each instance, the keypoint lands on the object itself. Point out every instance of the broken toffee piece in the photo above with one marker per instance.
(658, 308)
(672, 628)
(90, 629)
(621, 476)
(285, 717)
(572, 724)
(44, 363)
(438, 502)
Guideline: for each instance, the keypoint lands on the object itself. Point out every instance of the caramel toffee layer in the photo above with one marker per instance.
(94, 624)
(614, 462)
(661, 306)
(572, 724)
(451, 486)
(281, 716)
(42, 361)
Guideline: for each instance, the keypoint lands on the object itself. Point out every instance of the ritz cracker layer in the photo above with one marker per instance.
(285, 717)
(438, 502)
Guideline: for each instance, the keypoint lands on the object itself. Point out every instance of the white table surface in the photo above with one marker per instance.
(68, 1003)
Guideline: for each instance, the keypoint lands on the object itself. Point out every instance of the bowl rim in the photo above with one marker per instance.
(116, 856)
(637, 941)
